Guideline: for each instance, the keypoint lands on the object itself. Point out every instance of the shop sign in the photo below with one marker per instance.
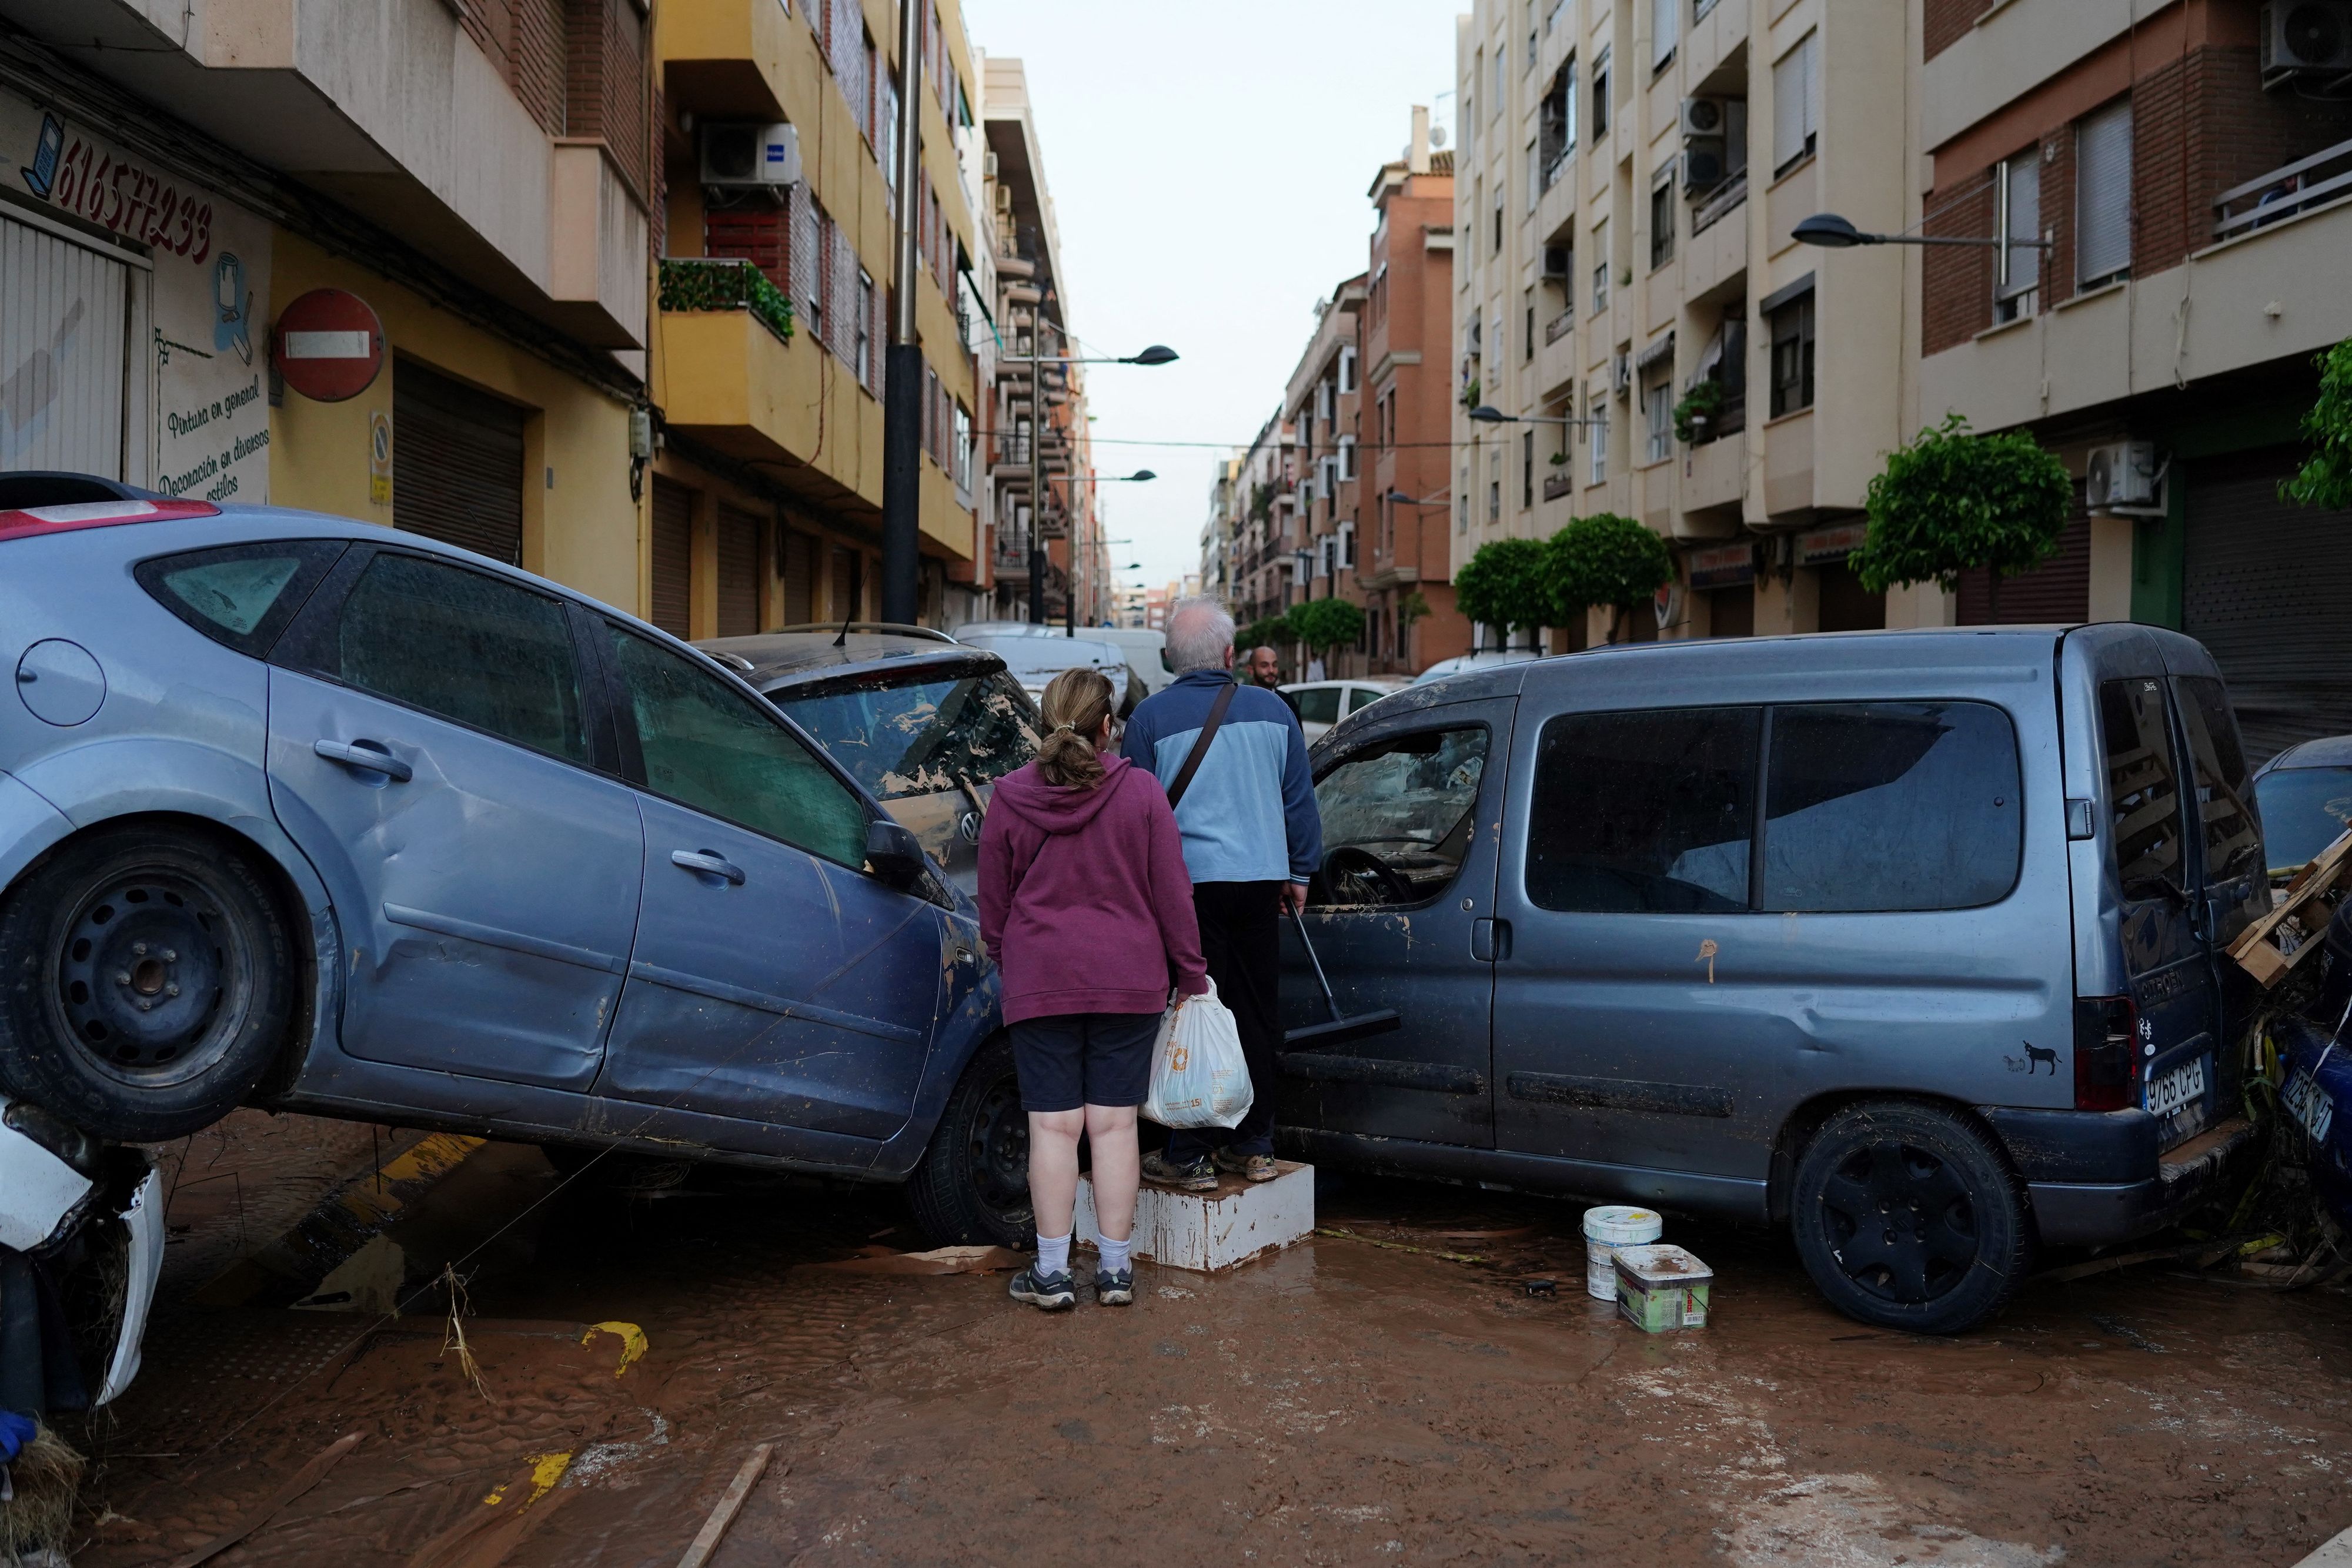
(329, 345)
(1823, 546)
(1724, 566)
(210, 286)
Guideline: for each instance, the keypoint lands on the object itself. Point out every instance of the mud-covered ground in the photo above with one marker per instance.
(1344, 1402)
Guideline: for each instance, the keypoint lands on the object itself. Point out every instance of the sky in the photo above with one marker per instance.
(1208, 165)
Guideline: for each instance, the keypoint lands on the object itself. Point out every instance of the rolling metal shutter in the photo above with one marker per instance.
(2268, 590)
(673, 564)
(2059, 592)
(62, 329)
(798, 568)
(458, 463)
(739, 572)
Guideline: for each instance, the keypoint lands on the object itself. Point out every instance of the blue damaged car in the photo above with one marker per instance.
(302, 812)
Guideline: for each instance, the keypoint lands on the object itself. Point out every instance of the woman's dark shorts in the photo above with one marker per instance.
(1069, 1060)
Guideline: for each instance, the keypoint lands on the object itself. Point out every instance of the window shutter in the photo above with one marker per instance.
(1789, 106)
(2103, 165)
(1665, 18)
(1811, 48)
(806, 274)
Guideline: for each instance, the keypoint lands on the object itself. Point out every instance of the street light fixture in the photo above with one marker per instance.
(1487, 414)
(1157, 354)
(1831, 232)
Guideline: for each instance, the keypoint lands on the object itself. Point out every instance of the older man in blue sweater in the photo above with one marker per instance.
(1252, 838)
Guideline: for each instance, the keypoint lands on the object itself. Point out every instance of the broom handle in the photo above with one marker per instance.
(1329, 999)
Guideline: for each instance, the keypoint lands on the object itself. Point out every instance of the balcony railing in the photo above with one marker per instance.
(1728, 195)
(1557, 165)
(714, 283)
(1559, 326)
(1557, 484)
(2283, 192)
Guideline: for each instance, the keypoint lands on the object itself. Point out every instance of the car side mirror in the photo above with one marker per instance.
(894, 854)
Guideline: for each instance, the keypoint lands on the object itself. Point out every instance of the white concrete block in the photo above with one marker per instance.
(1208, 1230)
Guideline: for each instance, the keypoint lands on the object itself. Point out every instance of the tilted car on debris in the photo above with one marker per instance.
(300, 812)
(1912, 942)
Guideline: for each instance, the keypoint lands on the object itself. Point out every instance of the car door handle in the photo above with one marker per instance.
(1490, 940)
(366, 756)
(708, 862)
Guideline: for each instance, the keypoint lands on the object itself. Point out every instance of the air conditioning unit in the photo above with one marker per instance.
(2307, 35)
(739, 153)
(1555, 261)
(1703, 117)
(2123, 474)
(1704, 163)
(1620, 373)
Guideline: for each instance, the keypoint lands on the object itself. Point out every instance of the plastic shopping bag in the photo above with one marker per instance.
(1198, 1078)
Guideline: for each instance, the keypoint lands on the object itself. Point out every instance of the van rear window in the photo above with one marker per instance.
(2143, 788)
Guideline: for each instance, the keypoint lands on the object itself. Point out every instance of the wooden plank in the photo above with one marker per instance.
(2256, 950)
(730, 1504)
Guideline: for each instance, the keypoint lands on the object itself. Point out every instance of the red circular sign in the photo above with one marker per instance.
(328, 345)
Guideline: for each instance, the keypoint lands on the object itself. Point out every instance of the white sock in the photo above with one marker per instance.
(1053, 1255)
(1114, 1254)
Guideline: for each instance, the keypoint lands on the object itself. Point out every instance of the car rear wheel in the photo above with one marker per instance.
(146, 983)
(1907, 1217)
(973, 1186)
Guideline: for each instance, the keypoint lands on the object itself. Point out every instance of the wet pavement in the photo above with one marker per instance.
(1394, 1394)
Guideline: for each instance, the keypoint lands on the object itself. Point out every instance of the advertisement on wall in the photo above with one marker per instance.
(206, 360)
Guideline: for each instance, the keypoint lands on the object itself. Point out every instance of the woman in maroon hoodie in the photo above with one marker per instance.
(1085, 901)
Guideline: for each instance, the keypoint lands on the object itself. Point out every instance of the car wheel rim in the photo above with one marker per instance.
(1901, 1222)
(151, 978)
(998, 1152)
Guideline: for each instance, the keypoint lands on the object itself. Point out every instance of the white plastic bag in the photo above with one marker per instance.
(1199, 1077)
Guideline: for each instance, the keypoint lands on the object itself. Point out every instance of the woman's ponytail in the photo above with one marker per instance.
(1074, 705)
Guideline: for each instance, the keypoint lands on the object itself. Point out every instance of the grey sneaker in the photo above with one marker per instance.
(1050, 1292)
(1114, 1289)
(1193, 1176)
(1253, 1167)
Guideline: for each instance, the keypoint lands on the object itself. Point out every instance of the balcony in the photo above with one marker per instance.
(1560, 326)
(2324, 176)
(732, 58)
(692, 283)
(1730, 194)
(1559, 482)
(1715, 473)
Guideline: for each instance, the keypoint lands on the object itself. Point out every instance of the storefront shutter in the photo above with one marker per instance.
(798, 567)
(673, 564)
(456, 464)
(62, 354)
(2059, 592)
(739, 572)
(2268, 590)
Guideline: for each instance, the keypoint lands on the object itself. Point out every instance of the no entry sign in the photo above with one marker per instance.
(329, 345)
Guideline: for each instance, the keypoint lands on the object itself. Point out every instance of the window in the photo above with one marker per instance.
(1536, 183)
(1527, 469)
(1601, 271)
(1502, 80)
(478, 650)
(2017, 212)
(241, 596)
(1596, 430)
(1666, 23)
(1796, 104)
(2143, 789)
(2225, 804)
(962, 448)
(1319, 704)
(1657, 412)
(1347, 459)
(1662, 217)
(864, 362)
(900, 735)
(1644, 812)
(1530, 299)
(1494, 486)
(1364, 696)
(1792, 356)
(1891, 805)
(2103, 178)
(1498, 251)
(1347, 369)
(709, 747)
(1601, 95)
(1397, 817)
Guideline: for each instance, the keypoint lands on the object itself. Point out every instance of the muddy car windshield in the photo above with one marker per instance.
(2305, 809)
(1396, 817)
(906, 735)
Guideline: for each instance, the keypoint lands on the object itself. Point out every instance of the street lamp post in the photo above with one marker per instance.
(902, 370)
(1157, 354)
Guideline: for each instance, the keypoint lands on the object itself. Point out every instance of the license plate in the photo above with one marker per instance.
(2304, 1101)
(2180, 1092)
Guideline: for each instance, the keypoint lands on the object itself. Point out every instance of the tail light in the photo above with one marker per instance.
(18, 522)
(2107, 1046)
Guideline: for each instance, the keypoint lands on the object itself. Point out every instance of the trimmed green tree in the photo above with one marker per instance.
(1954, 500)
(1268, 631)
(1324, 624)
(1504, 586)
(1608, 560)
(2325, 478)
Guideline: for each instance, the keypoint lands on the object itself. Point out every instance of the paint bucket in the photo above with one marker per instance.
(1605, 1230)
(1661, 1288)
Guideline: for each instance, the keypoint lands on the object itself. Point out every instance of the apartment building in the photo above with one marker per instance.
(1321, 404)
(778, 144)
(1261, 561)
(468, 193)
(1627, 174)
(1044, 502)
(2185, 169)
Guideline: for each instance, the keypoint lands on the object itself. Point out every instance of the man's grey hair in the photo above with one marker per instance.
(1198, 632)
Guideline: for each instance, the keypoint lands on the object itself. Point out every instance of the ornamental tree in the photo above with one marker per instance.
(1953, 500)
(2325, 479)
(1503, 585)
(1325, 623)
(1607, 559)
(1265, 633)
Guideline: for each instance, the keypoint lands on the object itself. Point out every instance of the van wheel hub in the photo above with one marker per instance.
(1901, 1221)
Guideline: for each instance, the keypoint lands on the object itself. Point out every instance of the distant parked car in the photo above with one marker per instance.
(925, 725)
(305, 812)
(1907, 941)
(2305, 793)
(1486, 659)
(1034, 660)
(1322, 704)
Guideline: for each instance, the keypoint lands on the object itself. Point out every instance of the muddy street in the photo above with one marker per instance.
(1391, 1388)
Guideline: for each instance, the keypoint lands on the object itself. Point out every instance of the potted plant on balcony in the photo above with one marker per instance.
(1954, 500)
(1696, 415)
(1608, 560)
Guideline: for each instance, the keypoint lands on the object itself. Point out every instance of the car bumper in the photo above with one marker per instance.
(2088, 1214)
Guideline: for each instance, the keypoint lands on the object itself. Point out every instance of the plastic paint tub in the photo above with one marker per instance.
(1605, 1230)
(1661, 1287)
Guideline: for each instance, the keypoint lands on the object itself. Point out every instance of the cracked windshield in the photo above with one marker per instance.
(902, 738)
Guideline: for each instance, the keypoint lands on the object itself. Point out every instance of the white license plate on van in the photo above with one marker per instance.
(2177, 1091)
(2313, 1111)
